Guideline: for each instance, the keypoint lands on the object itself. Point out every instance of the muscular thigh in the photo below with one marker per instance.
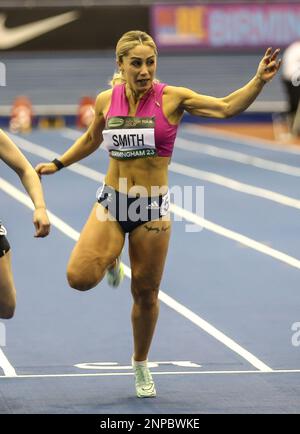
(101, 240)
(148, 247)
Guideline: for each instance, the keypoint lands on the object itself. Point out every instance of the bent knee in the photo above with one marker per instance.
(7, 311)
(80, 282)
(86, 274)
(77, 282)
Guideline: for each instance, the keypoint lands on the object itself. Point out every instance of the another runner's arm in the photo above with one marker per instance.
(14, 158)
(91, 139)
(236, 102)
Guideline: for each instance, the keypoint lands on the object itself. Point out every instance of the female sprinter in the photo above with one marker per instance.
(137, 122)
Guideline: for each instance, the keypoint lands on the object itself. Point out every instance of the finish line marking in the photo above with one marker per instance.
(124, 374)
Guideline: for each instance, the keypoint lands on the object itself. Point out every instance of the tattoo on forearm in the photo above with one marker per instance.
(157, 230)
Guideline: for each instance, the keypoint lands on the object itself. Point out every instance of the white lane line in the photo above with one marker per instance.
(21, 197)
(219, 152)
(218, 179)
(169, 301)
(242, 139)
(125, 374)
(8, 369)
(238, 157)
(69, 133)
(231, 137)
(235, 185)
(34, 149)
(189, 216)
(246, 241)
(211, 330)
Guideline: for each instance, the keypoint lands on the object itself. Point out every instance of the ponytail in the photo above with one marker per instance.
(117, 79)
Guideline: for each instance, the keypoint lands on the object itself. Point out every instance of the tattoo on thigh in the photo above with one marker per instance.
(156, 229)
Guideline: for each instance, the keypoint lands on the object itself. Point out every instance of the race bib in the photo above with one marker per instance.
(127, 137)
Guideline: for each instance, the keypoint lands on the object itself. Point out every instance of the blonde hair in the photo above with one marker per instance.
(126, 43)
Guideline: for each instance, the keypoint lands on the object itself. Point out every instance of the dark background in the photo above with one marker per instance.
(97, 27)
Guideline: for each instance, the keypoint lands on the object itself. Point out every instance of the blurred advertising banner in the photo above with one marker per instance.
(89, 28)
(216, 26)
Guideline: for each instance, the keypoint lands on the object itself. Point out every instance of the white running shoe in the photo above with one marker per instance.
(115, 274)
(144, 384)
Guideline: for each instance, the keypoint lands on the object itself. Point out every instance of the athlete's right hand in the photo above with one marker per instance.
(45, 169)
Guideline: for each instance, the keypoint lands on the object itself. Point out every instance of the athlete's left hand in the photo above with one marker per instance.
(41, 223)
(269, 65)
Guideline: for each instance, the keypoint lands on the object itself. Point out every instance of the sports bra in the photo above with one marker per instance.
(146, 134)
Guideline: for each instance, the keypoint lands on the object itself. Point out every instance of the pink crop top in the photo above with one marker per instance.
(148, 133)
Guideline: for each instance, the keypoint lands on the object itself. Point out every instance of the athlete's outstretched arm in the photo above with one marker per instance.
(85, 145)
(14, 158)
(236, 102)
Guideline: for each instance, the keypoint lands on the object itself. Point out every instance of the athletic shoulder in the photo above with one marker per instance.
(105, 94)
(177, 90)
(177, 94)
(102, 100)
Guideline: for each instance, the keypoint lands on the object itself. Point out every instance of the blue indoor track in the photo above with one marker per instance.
(227, 339)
